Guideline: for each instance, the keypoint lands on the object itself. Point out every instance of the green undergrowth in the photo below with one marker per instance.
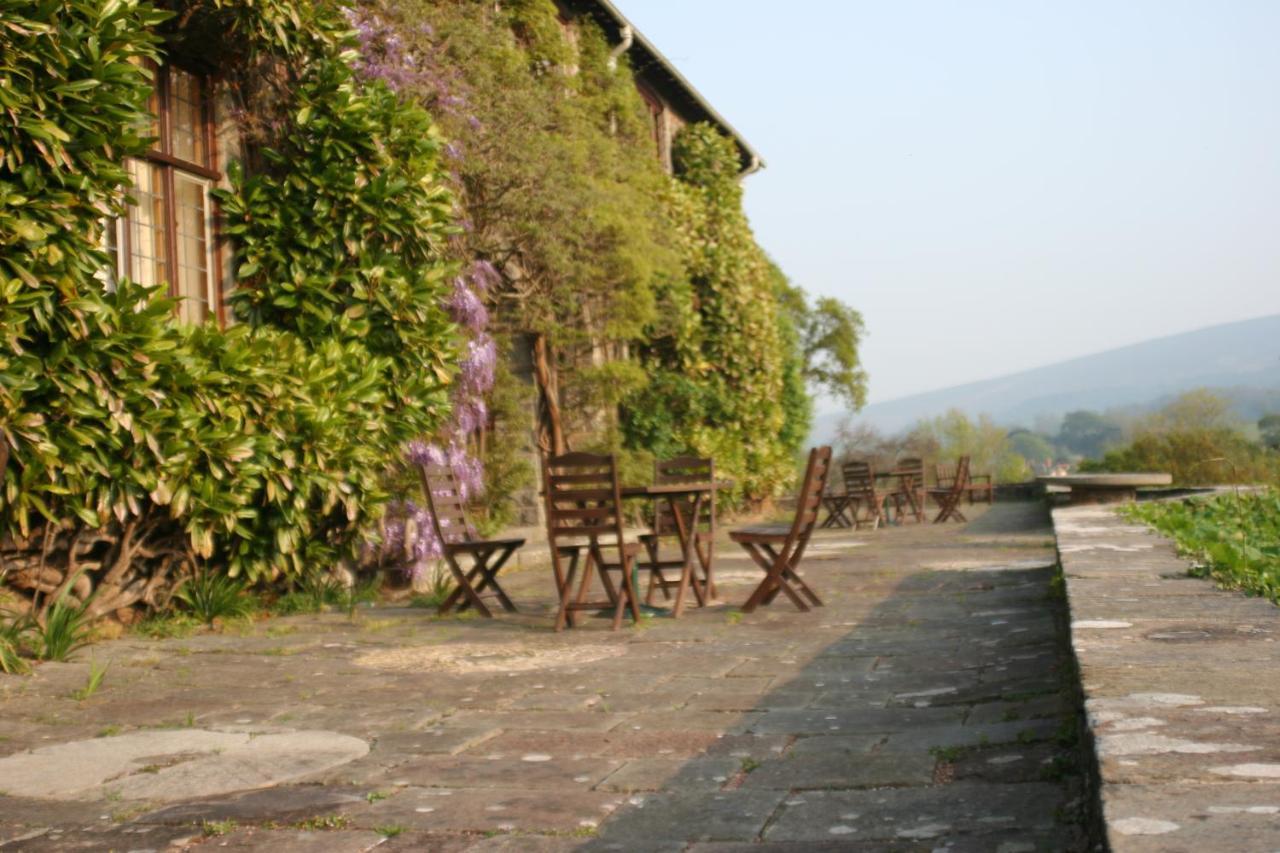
(1234, 538)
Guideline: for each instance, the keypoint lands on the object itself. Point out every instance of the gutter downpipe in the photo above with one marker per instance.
(628, 38)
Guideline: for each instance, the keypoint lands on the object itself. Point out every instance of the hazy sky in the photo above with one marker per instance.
(1000, 185)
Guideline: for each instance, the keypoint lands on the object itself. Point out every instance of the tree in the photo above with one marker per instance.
(986, 444)
(1033, 447)
(1088, 433)
(1269, 429)
(830, 333)
(1200, 409)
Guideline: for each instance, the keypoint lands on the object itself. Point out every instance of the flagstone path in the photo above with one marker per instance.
(930, 705)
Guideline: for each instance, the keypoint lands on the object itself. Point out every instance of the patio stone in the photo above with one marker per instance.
(931, 684)
(839, 770)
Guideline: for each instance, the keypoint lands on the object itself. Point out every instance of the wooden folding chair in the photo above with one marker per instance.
(909, 496)
(584, 514)
(457, 536)
(668, 525)
(841, 510)
(948, 497)
(977, 485)
(860, 485)
(778, 548)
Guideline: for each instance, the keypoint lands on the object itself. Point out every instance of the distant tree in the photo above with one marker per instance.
(1034, 448)
(1197, 440)
(1269, 429)
(1088, 433)
(1200, 409)
(986, 444)
(830, 332)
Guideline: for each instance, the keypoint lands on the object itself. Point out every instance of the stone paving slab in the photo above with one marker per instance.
(936, 682)
(1180, 686)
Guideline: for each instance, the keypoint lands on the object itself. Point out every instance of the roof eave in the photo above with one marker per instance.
(751, 159)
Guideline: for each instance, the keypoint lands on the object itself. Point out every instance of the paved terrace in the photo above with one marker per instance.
(1183, 689)
(931, 705)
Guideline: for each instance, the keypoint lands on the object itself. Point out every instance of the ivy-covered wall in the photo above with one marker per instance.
(381, 266)
(138, 449)
(653, 322)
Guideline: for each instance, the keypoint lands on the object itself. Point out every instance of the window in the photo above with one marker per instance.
(167, 235)
(657, 124)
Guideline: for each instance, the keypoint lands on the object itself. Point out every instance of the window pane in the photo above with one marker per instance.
(111, 245)
(195, 277)
(146, 225)
(186, 117)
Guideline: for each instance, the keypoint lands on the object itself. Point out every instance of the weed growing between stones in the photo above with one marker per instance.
(211, 597)
(65, 629)
(214, 828)
(165, 626)
(93, 682)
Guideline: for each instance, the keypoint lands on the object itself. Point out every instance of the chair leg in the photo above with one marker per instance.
(627, 595)
(706, 559)
(804, 587)
(463, 590)
(490, 573)
(655, 573)
(774, 581)
(563, 614)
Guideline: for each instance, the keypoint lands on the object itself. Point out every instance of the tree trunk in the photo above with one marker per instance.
(550, 425)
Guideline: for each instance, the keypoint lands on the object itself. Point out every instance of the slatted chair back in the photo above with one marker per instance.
(948, 496)
(447, 505)
(912, 467)
(859, 479)
(961, 481)
(945, 474)
(583, 500)
(809, 500)
(684, 469)
(911, 485)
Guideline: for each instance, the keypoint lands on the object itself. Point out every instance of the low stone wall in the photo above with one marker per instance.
(1181, 682)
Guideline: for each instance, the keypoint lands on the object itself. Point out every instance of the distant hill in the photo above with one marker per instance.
(1243, 358)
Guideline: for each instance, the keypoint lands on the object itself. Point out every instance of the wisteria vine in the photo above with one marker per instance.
(407, 529)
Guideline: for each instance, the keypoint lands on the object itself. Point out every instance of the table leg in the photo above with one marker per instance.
(685, 529)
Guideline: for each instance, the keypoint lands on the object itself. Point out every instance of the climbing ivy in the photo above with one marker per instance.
(134, 447)
(655, 322)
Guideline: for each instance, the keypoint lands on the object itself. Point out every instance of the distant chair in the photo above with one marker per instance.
(584, 517)
(457, 536)
(910, 492)
(980, 486)
(777, 548)
(948, 497)
(841, 510)
(860, 485)
(682, 469)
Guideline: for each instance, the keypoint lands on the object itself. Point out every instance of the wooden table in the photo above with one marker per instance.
(681, 497)
(906, 484)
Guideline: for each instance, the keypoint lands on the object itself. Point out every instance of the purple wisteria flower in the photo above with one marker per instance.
(484, 276)
(476, 370)
(466, 308)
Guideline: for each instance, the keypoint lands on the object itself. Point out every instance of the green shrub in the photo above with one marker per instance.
(15, 629)
(1194, 456)
(137, 443)
(65, 629)
(1234, 538)
(210, 596)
